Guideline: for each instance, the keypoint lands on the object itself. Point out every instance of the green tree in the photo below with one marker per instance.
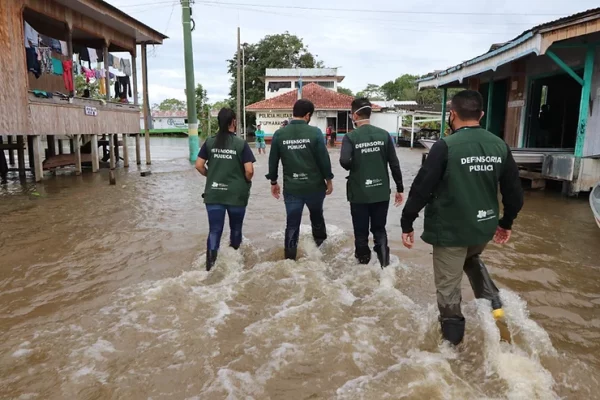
(403, 88)
(273, 51)
(371, 92)
(170, 105)
(343, 90)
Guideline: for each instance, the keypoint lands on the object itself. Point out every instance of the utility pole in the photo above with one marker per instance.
(190, 85)
(239, 83)
(244, 90)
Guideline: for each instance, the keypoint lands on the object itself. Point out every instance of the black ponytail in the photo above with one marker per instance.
(225, 118)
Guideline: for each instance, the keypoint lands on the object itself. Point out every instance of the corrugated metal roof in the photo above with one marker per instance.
(312, 72)
(528, 34)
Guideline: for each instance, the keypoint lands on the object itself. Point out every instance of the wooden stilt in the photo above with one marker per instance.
(77, 154)
(11, 152)
(116, 144)
(21, 156)
(36, 144)
(51, 145)
(95, 159)
(145, 101)
(138, 151)
(71, 146)
(59, 142)
(30, 153)
(111, 146)
(125, 151)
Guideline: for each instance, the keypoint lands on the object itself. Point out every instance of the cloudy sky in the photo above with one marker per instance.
(392, 38)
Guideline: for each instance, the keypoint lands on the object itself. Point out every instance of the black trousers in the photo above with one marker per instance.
(365, 216)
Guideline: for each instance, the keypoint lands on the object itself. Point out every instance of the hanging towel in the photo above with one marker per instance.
(116, 62)
(31, 36)
(84, 54)
(93, 55)
(64, 47)
(126, 65)
(57, 67)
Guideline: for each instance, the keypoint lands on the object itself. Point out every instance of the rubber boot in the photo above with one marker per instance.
(382, 250)
(363, 255)
(291, 253)
(453, 329)
(211, 259)
(482, 284)
(319, 233)
(383, 255)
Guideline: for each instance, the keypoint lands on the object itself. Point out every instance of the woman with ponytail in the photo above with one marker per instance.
(227, 163)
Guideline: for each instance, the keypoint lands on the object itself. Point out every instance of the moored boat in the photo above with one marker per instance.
(595, 203)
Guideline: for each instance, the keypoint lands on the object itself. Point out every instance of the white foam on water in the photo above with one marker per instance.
(523, 372)
(22, 353)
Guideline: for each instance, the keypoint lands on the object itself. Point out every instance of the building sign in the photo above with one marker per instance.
(177, 124)
(91, 111)
(516, 103)
(275, 119)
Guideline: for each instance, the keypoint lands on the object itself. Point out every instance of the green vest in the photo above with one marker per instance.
(297, 145)
(369, 180)
(464, 209)
(226, 181)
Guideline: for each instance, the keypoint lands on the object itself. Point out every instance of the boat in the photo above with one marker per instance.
(595, 203)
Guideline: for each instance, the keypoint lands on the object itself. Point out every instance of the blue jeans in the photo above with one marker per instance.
(216, 221)
(294, 205)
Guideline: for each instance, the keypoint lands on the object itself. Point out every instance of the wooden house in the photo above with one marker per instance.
(31, 119)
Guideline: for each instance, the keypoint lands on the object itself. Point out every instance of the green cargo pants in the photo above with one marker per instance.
(448, 266)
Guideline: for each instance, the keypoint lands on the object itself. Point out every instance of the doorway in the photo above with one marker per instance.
(553, 112)
(499, 105)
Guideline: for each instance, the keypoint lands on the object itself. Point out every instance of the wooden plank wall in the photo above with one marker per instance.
(568, 32)
(14, 111)
(70, 119)
(516, 103)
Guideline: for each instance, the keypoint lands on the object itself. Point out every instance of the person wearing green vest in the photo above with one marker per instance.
(261, 145)
(307, 176)
(366, 153)
(458, 184)
(227, 163)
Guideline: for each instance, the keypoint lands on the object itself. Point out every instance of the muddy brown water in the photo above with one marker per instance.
(103, 295)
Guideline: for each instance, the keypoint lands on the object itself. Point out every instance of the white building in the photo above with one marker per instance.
(167, 121)
(283, 80)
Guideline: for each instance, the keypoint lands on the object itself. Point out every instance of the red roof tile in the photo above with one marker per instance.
(322, 98)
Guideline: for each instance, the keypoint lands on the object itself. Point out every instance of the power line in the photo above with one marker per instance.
(146, 4)
(398, 27)
(169, 21)
(223, 3)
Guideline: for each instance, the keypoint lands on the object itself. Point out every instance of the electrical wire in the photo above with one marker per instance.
(398, 27)
(363, 11)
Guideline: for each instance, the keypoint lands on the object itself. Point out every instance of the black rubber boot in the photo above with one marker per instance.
(319, 232)
(453, 329)
(211, 259)
(363, 255)
(382, 250)
(291, 254)
(383, 255)
(481, 282)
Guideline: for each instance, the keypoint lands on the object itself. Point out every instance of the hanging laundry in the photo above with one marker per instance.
(64, 47)
(98, 74)
(33, 64)
(111, 76)
(32, 37)
(93, 55)
(89, 74)
(126, 66)
(68, 75)
(102, 86)
(52, 43)
(123, 87)
(116, 62)
(57, 67)
(46, 60)
(84, 54)
(111, 60)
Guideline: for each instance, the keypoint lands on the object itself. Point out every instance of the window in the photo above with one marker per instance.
(276, 86)
(325, 84)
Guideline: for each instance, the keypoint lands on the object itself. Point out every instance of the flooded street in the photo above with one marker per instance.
(103, 295)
